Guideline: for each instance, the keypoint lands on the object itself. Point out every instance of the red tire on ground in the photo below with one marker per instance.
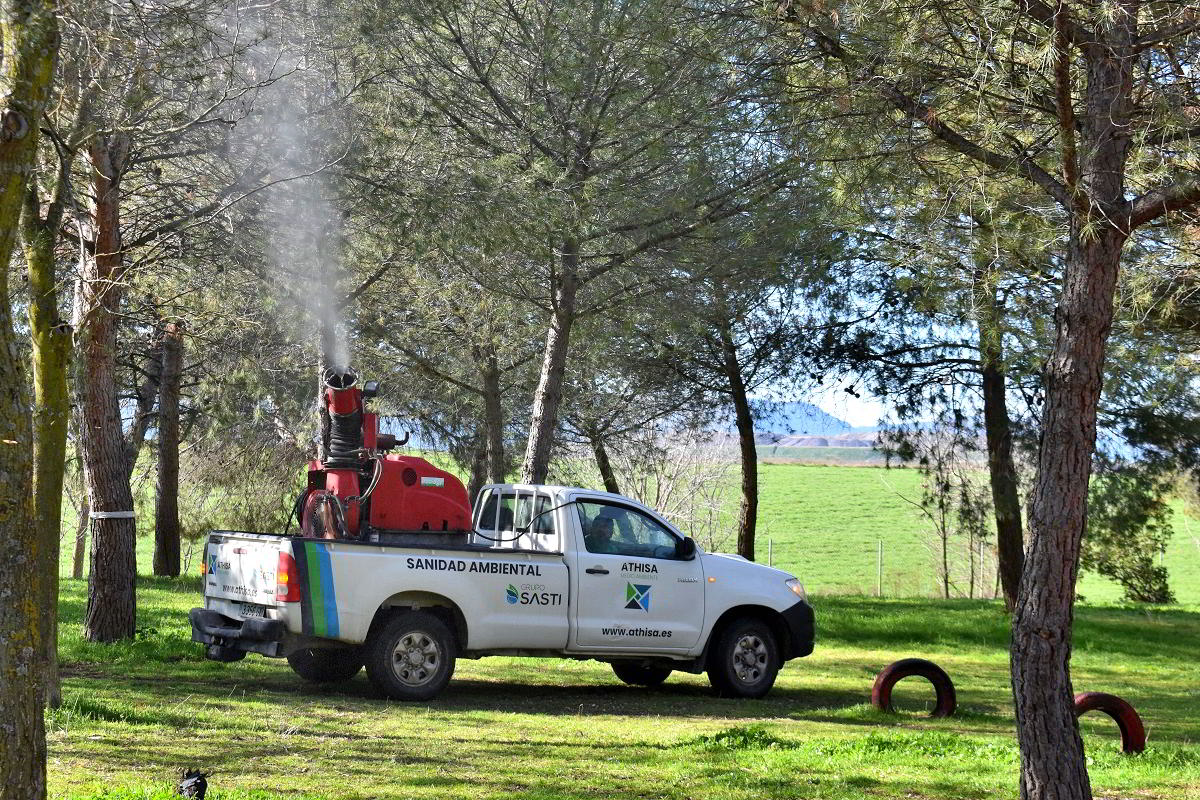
(1133, 733)
(943, 687)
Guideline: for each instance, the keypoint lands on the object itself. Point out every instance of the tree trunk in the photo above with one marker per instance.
(493, 420)
(1002, 471)
(166, 507)
(744, 420)
(111, 606)
(479, 469)
(1052, 759)
(604, 465)
(51, 340)
(143, 411)
(81, 529)
(554, 363)
(30, 34)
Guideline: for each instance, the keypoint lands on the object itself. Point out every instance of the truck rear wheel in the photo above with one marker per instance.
(326, 664)
(744, 659)
(411, 656)
(636, 674)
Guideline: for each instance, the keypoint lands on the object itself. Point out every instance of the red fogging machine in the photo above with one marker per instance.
(361, 491)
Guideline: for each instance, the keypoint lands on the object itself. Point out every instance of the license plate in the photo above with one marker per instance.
(251, 610)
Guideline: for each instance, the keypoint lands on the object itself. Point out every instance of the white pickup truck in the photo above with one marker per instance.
(547, 571)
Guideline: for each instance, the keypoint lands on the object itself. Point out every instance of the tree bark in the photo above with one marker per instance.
(166, 508)
(1052, 759)
(51, 340)
(85, 518)
(479, 465)
(1002, 471)
(143, 410)
(493, 419)
(30, 48)
(111, 606)
(744, 421)
(548, 395)
(603, 464)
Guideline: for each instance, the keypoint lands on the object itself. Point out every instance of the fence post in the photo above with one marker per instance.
(879, 570)
(770, 553)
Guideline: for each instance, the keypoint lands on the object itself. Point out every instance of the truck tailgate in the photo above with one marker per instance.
(242, 566)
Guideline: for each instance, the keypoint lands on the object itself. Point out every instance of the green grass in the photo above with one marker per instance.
(824, 524)
(138, 713)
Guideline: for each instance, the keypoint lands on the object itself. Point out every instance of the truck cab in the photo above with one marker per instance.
(544, 571)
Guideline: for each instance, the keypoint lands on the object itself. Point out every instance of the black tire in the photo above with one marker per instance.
(636, 674)
(744, 659)
(326, 664)
(411, 656)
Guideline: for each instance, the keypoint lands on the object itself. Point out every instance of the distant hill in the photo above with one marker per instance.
(801, 424)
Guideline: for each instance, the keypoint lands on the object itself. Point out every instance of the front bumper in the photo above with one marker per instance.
(225, 635)
(801, 626)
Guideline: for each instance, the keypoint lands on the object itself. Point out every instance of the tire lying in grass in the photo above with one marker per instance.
(943, 687)
(1133, 733)
(326, 664)
(744, 660)
(636, 674)
(411, 656)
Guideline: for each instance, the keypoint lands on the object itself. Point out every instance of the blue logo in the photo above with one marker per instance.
(637, 597)
(512, 595)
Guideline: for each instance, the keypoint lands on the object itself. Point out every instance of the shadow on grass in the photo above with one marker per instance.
(462, 695)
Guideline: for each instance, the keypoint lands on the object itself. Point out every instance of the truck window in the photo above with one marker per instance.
(505, 513)
(624, 531)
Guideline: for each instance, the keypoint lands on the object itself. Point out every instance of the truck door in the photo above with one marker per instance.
(631, 589)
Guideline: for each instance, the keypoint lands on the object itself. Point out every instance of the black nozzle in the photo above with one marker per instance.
(340, 377)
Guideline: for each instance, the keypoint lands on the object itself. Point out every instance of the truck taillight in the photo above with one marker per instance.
(287, 580)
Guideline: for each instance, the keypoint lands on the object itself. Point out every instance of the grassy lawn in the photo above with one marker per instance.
(825, 524)
(138, 713)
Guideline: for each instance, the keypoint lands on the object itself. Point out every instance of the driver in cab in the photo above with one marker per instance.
(599, 536)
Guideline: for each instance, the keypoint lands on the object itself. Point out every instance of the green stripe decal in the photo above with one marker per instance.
(315, 589)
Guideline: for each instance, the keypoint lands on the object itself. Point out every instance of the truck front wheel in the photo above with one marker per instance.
(411, 656)
(326, 664)
(640, 674)
(744, 659)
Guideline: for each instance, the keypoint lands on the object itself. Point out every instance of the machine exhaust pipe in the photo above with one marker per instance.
(344, 401)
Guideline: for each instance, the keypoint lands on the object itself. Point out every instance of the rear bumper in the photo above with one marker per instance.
(801, 625)
(242, 635)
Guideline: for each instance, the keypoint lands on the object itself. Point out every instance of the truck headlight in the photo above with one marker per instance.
(797, 588)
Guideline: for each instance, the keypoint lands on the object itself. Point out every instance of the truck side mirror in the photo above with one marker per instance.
(685, 549)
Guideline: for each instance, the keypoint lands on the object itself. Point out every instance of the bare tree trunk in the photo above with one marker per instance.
(143, 411)
(744, 420)
(111, 606)
(166, 508)
(479, 470)
(493, 419)
(1052, 761)
(603, 464)
(51, 339)
(548, 395)
(81, 530)
(30, 34)
(1002, 471)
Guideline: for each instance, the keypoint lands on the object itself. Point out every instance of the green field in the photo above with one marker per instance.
(824, 524)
